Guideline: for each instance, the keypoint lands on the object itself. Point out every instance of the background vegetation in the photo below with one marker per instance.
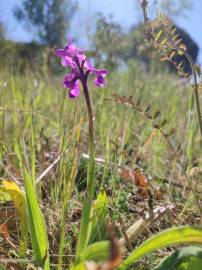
(147, 144)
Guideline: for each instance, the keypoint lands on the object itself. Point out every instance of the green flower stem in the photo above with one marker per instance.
(84, 231)
(91, 168)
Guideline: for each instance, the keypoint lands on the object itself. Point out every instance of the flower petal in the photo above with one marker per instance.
(74, 92)
(67, 61)
(72, 50)
(81, 58)
(102, 72)
(100, 81)
(60, 52)
(89, 66)
(69, 80)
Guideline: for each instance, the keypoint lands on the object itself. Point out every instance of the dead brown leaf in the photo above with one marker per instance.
(136, 177)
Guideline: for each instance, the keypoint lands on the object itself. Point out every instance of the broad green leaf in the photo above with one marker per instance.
(173, 236)
(83, 238)
(98, 216)
(10, 188)
(4, 196)
(91, 213)
(37, 225)
(188, 258)
(96, 252)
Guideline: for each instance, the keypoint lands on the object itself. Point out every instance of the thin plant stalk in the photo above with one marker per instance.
(66, 200)
(196, 95)
(90, 179)
(83, 233)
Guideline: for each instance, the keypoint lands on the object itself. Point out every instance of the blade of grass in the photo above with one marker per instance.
(37, 225)
(66, 199)
(32, 148)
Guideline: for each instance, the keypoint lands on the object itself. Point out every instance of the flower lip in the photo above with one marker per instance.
(99, 81)
(71, 82)
(74, 91)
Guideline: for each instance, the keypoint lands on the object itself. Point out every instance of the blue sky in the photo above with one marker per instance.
(123, 11)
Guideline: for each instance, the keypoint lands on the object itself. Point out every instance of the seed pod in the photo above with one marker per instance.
(156, 126)
(163, 123)
(156, 114)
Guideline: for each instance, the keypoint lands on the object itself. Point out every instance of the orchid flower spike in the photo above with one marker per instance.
(80, 67)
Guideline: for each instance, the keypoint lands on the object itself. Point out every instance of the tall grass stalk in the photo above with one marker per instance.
(66, 199)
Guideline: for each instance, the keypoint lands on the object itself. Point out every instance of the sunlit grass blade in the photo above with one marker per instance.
(66, 198)
(83, 237)
(2, 134)
(37, 226)
(32, 148)
(173, 236)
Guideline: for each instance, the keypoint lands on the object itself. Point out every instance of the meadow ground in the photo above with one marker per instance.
(143, 154)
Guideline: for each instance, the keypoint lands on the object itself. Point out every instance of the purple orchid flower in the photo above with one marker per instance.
(80, 67)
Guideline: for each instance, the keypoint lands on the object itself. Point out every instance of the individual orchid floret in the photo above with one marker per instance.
(80, 67)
